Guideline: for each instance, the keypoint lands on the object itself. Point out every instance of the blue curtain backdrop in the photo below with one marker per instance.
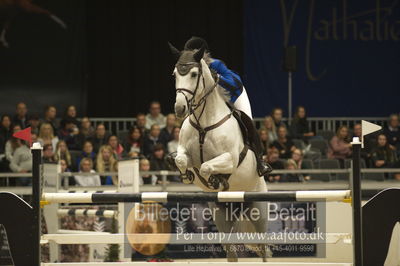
(348, 55)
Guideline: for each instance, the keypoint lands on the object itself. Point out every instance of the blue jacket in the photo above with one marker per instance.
(228, 79)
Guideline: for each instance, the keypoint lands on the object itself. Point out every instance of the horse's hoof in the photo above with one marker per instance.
(187, 177)
(170, 159)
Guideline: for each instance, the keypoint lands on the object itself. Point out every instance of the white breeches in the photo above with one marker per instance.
(243, 104)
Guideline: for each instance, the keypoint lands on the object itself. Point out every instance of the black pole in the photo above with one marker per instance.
(36, 195)
(356, 203)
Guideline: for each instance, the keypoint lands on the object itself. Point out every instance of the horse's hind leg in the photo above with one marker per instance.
(224, 225)
(261, 226)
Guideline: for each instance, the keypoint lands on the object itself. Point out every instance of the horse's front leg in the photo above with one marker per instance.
(222, 164)
(182, 160)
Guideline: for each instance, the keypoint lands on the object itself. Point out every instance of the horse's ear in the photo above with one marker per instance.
(175, 52)
(199, 54)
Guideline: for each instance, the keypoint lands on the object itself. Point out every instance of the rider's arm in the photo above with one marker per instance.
(227, 78)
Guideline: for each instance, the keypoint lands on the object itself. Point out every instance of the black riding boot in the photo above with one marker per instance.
(263, 168)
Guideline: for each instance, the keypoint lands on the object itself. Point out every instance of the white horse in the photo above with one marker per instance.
(211, 152)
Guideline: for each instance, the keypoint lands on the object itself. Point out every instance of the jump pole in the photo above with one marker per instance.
(36, 150)
(356, 203)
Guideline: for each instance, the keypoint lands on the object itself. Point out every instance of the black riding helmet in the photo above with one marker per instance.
(196, 43)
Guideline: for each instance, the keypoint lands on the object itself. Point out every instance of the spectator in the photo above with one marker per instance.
(264, 140)
(284, 144)
(86, 166)
(100, 137)
(48, 153)
(5, 131)
(134, 140)
(144, 165)
(118, 150)
(50, 116)
(141, 123)
(277, 114)
(299, 127)
(158, 163)
(46, 135)
(21, 161)
(339, 145)
(166, 132)
(34, 137)
(273, 160)
(152, 139)
(87, 152)
(86, 130)
(392, 132)
(64, 168)
(34, 123)
(11, 144)
(69, 133)
(383, 156)
(21, 117)
(155, 116)
(173, 144)
(291, 165)
(62, 152)
(297, 157)
(70, 115)
(106, 162)
(269, 125)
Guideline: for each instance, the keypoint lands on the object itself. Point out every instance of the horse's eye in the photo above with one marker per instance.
(194, 74)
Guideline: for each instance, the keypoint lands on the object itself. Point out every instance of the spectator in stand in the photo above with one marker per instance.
(87, 152)
(86, 130)
(173, 144)
(144, 165)
(392, 132)
(64, 168)
(291, 165)
(284, 144)
(69, 133)
(46, 135)
(50, 116)
(21, 117)
(155, 116)
(299, 127)
(48, 153)
(106, 162)
(339, 145)
(118, 150)
(100, 137)
(21, 161)
(70, 115)
(152, 139)
(134, 140)
(11, 144)
(158, 163)
(141, 123)
(166, 132)
(383, 156)
(269, 125)
(62, 152)
(273, 160)
(34, 137)
(277, 115)
(34, 123)
(5, 132)
(264, 140)
(297, 157)
(86, 166)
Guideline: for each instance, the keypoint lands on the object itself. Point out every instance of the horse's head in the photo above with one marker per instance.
(192, 76)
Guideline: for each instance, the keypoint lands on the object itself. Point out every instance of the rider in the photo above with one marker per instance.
(231, 81)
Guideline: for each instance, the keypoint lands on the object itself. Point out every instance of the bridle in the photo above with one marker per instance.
(184, 69)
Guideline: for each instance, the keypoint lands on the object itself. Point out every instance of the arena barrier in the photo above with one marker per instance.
(275, 196)
(87, 212)
(370, 239)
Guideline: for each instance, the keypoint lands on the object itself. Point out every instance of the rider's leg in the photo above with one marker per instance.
(243, 104)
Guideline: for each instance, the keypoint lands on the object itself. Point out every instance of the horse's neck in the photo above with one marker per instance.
(215, 109)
